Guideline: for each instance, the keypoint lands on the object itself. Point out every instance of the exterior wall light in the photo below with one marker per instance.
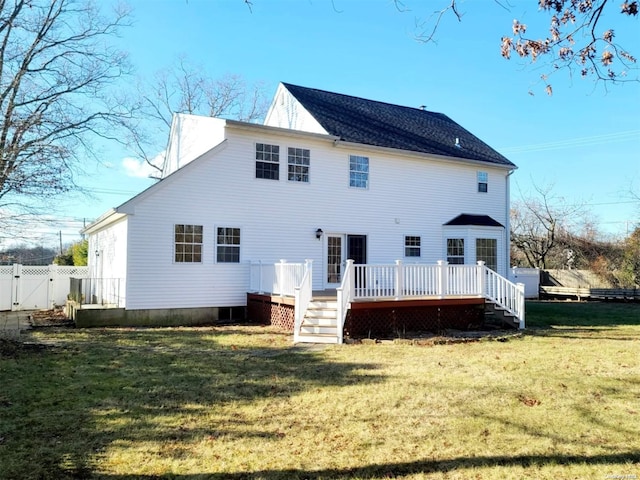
(319, 233)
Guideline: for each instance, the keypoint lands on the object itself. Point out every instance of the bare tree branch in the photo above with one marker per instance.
(540, 226)
(56, 70)
(427, 34)
(186, 88)
(572, 44)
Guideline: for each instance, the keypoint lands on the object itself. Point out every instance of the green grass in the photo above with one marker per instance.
(561, 401)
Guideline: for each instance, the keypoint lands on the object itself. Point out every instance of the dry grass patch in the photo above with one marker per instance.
(242, 402)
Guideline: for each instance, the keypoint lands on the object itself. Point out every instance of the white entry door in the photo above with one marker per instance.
(335, 260)
(339, 248)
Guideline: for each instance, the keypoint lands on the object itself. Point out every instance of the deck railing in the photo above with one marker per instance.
(303, 294)
(391, 281)
(344, 293)
(96, 291)
(280, 278)
(398, 281)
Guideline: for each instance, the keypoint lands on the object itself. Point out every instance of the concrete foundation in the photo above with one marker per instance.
(86, 316)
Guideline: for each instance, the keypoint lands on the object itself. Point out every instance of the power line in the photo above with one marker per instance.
(575, 142)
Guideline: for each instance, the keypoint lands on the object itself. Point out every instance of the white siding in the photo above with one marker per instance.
(287, 112)
(407, 195)
(190, 137)
(107, 252)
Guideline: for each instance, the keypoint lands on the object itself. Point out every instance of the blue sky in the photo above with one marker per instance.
(584, 140)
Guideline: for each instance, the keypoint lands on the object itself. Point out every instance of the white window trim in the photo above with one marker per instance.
(255, 151)
(482, 178)
(202, 249)
(216, 244)
(368, 184)
(308, 180)
(405, 246)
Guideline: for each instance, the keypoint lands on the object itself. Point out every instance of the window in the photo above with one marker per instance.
(298, 164)
(411, 246)
(487, 251)
(483, 182)
(358, 171)
(188, 243)
(267, 161)
(455, 251)
(228, 245)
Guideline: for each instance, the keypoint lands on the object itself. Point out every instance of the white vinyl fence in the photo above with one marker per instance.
(30, 287)
(530, 277)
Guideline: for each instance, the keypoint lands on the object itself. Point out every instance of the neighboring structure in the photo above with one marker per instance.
(328, 177)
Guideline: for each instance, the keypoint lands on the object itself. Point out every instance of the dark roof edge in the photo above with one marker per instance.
(360, 98)
(466, 219)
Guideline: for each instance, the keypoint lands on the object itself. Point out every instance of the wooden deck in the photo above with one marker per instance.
(382, 318)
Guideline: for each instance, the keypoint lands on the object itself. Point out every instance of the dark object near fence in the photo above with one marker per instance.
(626, 294)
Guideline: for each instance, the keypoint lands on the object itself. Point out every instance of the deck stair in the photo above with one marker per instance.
(319, 324)
(499, 316)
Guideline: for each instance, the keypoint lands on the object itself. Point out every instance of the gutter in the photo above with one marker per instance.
(107, 218)
(508, 219)
(407, 153)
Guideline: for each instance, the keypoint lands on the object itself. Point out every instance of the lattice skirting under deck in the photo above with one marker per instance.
(363, 322)
(262, 309)
(398, 321)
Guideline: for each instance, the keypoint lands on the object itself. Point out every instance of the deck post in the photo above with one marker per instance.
(309, 268)
(521, 305)
(399, 279)
(442, 278)
(260, 289)
(280, 277)
(482, 282)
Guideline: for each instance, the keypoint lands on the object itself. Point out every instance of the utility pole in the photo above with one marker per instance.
(60, 235)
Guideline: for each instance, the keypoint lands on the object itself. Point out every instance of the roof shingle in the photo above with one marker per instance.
(369, 122)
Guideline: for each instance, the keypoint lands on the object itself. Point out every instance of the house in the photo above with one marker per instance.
(327, 177)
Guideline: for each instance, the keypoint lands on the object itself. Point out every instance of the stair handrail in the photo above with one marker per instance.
(503, 292)
(345, 293)
(303, 294)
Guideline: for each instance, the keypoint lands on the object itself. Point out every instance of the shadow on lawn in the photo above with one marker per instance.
(583, 333)
(394, 470)
(62, 407)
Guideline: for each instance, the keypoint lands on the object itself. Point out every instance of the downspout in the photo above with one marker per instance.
(508, 220)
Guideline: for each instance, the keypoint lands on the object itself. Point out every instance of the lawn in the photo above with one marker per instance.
(241, 402)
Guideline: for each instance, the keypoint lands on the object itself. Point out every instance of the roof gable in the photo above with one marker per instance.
(369, 122)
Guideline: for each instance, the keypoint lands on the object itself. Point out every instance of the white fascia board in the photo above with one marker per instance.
(407, 153)
(128, 207)
(106, 219)
(190, 137)
(256, 127)
(274, 104)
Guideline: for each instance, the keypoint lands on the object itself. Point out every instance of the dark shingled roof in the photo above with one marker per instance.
(358, 120)
(478, 220)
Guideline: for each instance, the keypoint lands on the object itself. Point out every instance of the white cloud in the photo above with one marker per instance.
(139, 168)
